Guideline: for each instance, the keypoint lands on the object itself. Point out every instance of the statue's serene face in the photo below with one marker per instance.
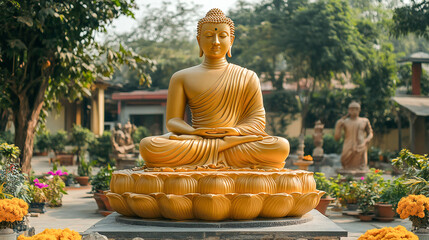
(354, 112)
(215, 39)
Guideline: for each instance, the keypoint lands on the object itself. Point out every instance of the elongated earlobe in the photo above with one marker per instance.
(229, 52)
(201, 52)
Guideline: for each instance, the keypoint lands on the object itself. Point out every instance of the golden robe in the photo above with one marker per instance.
(234, 100)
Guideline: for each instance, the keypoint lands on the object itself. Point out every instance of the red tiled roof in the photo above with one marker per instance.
(141, 95)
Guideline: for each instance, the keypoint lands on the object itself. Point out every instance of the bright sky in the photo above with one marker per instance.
(126, 24)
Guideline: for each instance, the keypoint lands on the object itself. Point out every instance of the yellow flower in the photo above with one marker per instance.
(54, 234)
(397, 233)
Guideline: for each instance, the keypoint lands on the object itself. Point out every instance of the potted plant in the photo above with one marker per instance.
(80, 137)
(13, 180)
(415, 207)
(101, 183)
(390, 196)
(59, 141)
(348, 191)
(38, 197)
(12, 213)
(330, 186)
(56, 189)
(84, 171)
(368, 192)
(42, 143)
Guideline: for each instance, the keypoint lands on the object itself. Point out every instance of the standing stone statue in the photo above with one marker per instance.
(318, 139)
(357, 134)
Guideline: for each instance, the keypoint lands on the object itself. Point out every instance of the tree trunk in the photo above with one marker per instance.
(4, 117)
(26, 113)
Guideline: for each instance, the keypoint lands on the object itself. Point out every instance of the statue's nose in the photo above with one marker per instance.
(216, 40)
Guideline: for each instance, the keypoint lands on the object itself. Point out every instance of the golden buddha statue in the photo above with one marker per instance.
(224, 166)
(228, 116)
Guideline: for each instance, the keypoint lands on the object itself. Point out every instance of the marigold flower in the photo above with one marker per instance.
(54, 234)
(396, 233)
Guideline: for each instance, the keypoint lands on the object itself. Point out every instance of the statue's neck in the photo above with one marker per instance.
(214, 63)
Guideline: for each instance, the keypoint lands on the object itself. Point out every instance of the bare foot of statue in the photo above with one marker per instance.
(232, 141)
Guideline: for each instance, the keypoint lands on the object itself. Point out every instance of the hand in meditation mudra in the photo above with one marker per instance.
(228, 116)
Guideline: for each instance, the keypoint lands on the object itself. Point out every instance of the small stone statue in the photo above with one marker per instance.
(122, 141)
(318, 139)
(357, 134)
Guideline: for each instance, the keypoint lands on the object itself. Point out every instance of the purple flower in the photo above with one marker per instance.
(36, 180)
(51, 173)
(41, 185)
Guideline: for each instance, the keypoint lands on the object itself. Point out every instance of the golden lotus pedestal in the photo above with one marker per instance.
(213, 194)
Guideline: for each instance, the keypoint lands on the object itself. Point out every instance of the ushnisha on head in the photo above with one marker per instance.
(215, 15)
(215, 34)
(354, 104)
(354, 109)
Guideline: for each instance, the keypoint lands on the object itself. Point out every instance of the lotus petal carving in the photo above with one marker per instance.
(148, 183)
(277, 205)
(123, 182)
(175, 207)
(216, 184)
(288, 183)
(211, 207)
(246, 206)
(308, 182)
(255, 183)
(143, 205)
(180, 184)
(118, 203)
(304, 202)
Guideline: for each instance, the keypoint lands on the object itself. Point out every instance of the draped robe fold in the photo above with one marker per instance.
(234, 100)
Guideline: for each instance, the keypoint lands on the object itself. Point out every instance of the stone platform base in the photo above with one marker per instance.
(320, 227)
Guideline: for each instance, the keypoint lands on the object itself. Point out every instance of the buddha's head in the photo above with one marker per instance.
(354, 109)
(215, 34)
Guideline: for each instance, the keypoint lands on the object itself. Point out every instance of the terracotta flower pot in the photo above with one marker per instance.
(366, 218)
(384, 212)
(323, 204)
(100, 203)
(82, 180)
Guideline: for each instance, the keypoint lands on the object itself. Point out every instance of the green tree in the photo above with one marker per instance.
(48, 50)
(412, 18)
(168, 37)
(322, 43)
(260, 44)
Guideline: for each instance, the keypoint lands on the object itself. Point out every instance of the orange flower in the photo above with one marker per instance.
(397, 233)
(54, 234)
(308, 158)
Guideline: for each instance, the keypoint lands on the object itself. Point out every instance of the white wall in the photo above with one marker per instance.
(55, 120)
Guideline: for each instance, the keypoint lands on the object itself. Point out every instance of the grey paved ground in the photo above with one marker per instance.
(79, 211)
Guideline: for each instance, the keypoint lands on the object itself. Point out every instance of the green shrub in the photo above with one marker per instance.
(101, 148)
(140, 133)
(59, 141)
(101, 181)
(7, 137)
(43, 141)
(293, 143)
(330, 145)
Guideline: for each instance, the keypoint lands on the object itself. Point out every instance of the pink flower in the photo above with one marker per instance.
(41, 185)
(36, 180)
(51, 173)
(362, 178)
